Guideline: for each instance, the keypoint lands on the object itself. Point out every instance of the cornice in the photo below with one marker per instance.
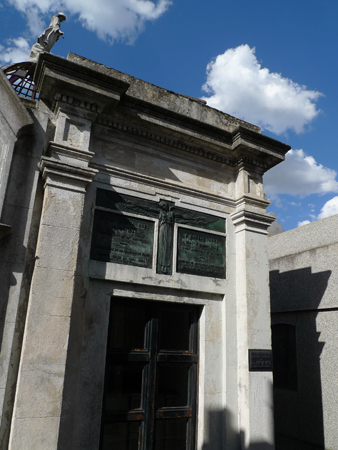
(54, 75)
(258, 149)
(233, 149)
(191, 127)
(115, 124)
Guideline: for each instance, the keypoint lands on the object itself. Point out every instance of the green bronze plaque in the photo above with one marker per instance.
(108, 245)
(122, 239)
(200, 253)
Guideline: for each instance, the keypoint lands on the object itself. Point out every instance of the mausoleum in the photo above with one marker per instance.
(134, 289)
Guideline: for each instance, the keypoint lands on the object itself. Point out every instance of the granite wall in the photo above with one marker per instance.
(304, 312)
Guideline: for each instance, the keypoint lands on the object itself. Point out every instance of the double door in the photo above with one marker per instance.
(150, 391)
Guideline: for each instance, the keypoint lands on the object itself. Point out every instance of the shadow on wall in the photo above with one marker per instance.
(231, 439)
(298, 409)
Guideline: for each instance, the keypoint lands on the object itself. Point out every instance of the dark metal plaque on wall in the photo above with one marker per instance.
(260, 360)
(122, 239)
(200, 253)
(128, 240)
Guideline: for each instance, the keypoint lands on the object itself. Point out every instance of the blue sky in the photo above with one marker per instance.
(271, 63)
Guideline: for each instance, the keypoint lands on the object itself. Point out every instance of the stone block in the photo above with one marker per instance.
(55, 297)
(57, 248)
(41, 389)
(73, 130)
(35, 434)
(62, 208)
(46, 340)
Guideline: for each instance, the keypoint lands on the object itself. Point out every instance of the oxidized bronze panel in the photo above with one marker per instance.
(200, 253)
(122, 239)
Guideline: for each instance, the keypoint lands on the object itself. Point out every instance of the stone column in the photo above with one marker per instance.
(255, 401)
(38, 401)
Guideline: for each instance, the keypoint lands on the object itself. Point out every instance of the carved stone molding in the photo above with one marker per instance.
(79, 86)
(251, 221)
(248, 200)
(174, 143)
(65, 176)
(75, 102)
(243, 148)
(69, 155)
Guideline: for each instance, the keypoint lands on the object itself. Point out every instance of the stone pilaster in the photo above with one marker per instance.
(255, 404)
(40, 384)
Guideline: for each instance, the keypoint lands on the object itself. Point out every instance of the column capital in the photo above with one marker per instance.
(245, 220)
(67, 167)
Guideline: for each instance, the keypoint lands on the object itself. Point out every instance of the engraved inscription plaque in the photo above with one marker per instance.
(200, 253)
(122, 239)
(260, 360)
(205, 256)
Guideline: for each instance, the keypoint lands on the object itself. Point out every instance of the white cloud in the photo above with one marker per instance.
(329, 209)
(239, 86)
(109, 19)
(299, 175)
(18, 50)
(304, 222)
(294, 204)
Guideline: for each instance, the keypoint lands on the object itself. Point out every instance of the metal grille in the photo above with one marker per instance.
(20, 75)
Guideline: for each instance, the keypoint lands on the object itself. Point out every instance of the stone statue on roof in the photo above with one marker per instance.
(48, 38)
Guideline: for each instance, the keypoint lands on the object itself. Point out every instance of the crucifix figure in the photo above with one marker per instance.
(165, 238)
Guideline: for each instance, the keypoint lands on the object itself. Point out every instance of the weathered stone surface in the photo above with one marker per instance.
(303, 285)
(30, 433)
(19, 204)
(194, 175)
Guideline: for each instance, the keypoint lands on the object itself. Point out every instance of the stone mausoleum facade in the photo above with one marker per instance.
(134, 273)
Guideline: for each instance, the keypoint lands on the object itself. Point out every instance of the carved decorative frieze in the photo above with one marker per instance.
(174, 143)
(77, 102)
(245, 150)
